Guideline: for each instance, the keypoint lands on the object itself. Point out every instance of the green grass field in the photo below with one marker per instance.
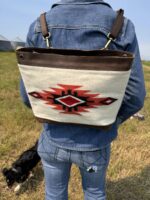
(147, 63)
(128, 175)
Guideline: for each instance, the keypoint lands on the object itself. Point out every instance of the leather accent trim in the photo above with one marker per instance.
(118, 24)
(43, 23)
(116, 28)
(106, 128)
(106, 60)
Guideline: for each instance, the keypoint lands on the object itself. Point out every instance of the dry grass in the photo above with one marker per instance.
(128, 176)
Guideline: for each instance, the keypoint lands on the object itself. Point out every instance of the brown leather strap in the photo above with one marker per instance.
(118, 24)
(44, 27)
(116, 28)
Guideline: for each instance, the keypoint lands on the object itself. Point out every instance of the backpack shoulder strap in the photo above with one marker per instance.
(46, 34)
(116, 28)
(118, 24)
(112, 35)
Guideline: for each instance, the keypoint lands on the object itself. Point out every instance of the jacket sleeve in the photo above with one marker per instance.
(23, 92)
(135, 92)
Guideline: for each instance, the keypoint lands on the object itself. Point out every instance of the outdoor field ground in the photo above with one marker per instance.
(128, 175)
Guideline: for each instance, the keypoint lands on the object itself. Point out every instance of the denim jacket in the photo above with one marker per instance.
(84, 24)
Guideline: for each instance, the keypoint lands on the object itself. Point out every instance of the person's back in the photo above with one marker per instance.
(85, 24)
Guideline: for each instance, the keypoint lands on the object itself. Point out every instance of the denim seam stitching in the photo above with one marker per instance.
(81, 158)
(56, 153)
(69, 155)
(95, 27)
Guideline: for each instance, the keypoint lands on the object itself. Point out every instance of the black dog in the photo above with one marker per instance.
(22, 167)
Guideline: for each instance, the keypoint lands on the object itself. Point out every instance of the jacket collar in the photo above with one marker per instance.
(80, 2)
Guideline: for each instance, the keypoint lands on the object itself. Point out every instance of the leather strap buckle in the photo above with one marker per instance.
(46, 38)
(110, 39)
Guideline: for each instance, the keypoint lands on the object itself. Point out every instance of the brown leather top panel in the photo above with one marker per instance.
(76, 59)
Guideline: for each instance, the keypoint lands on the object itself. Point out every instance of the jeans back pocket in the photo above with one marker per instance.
(97, 158)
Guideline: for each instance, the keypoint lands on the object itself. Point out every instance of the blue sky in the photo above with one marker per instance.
(16, 16)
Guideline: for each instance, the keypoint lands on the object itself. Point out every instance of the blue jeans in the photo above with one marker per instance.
(57, 165)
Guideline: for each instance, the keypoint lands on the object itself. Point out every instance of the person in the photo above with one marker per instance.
(83, 24)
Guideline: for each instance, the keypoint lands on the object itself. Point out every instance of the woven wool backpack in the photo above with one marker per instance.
(76, 86)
